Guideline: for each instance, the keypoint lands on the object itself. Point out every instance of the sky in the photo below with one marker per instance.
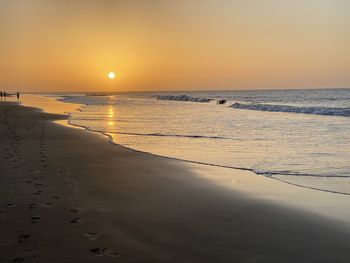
(71, 45)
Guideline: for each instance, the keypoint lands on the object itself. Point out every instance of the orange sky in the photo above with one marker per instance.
(65, 45)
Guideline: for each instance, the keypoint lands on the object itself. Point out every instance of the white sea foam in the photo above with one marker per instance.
(182, 98)
(293, 109)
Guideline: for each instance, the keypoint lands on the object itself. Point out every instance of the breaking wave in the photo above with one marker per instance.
(345, 112)
(182, 98)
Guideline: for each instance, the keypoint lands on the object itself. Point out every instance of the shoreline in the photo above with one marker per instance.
(145, 208)
(64, 108)
(71, 106)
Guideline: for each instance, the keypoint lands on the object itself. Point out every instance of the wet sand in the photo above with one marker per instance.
(67, 195)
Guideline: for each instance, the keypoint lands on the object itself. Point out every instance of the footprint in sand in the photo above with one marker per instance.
(104, 252)
(73, 210)
(48, 204)
(22, 238)
(17, 260)
(97, 251)
(91, 235)
(34, 219)
(32, 206)
(9, 205)
(38, 192)
(76, 221)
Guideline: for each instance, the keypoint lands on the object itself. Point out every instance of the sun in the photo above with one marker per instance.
(111, 75)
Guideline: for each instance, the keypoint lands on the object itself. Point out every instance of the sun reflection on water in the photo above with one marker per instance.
(110, 115)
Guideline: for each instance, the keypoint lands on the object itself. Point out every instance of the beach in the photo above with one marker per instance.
(69, 195)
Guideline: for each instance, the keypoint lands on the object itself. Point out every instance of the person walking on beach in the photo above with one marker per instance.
(1, 94)
(17, 94)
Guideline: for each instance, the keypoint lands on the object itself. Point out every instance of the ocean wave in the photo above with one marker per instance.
(290, 173)
(182, 98)
(172, 135)
(345, 112)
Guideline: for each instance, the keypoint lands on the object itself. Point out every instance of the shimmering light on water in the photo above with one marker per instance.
(310, 149)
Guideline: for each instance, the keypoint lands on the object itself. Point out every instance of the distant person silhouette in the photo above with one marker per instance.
(1, 94)
(17, 94)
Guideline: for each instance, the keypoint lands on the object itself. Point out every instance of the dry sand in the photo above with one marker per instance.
(69, 196)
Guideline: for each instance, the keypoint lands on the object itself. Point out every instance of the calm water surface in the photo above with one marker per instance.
(300, 136)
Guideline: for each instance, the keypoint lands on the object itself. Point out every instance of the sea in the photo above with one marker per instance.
(300, 137)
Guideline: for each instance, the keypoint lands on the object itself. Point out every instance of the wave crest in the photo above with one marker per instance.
(345, 112)
(182, 98)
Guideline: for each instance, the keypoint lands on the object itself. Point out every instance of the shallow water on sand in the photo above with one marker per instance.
(300, 137)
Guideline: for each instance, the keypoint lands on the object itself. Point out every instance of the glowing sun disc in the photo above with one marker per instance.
(111, 75)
